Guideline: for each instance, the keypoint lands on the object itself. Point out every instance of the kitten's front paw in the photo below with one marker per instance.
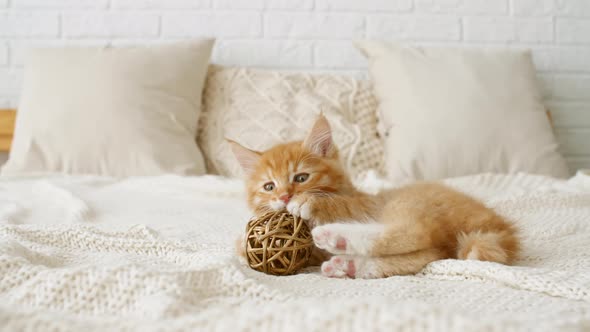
(301, 206)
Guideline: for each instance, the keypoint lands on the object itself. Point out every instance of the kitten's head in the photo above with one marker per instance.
(279, 174)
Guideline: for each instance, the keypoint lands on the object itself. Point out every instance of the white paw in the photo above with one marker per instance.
(300, 209)
(347, 238)
(339, 267)
(326, 238)
(343, 266)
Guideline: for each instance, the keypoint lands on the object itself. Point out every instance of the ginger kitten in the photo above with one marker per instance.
(395, 232)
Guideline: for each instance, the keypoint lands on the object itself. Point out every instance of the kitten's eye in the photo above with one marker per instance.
(301, 177)
(269, 186)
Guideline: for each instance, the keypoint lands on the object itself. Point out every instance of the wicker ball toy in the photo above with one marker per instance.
(278, 243)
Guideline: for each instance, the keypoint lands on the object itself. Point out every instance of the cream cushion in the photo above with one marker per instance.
(261, 108)
(453, 112)
(114, 111)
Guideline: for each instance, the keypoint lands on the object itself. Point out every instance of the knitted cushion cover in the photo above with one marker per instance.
(261, 108)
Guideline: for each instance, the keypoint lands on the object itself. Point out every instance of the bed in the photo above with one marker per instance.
(147, 241)
(156, 253)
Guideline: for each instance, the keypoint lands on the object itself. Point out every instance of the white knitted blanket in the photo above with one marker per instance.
(87, 253)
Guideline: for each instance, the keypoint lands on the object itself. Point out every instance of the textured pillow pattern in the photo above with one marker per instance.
(454, 112)
(114, 111)
(262, 108)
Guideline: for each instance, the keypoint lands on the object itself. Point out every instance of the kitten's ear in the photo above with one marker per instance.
(319, 140)
(247, 158)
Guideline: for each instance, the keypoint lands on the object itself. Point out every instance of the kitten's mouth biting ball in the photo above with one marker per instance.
(278, 243)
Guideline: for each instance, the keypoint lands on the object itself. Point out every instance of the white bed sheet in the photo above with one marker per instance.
(157, 253)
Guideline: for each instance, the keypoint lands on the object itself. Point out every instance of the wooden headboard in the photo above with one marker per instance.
(7, 117)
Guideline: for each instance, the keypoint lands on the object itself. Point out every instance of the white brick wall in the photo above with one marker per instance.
(316, 35)
(3, 55)
(414, 27)
(101, 24)
(220, 24)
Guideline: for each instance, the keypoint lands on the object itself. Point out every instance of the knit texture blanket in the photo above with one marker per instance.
(87, 253)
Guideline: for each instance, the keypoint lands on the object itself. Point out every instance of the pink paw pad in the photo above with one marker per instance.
(339, 267)
(351, 271)
(341, 243)
(328, 240)
(324, 235)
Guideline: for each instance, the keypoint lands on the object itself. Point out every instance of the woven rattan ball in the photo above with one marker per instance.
(278, 243)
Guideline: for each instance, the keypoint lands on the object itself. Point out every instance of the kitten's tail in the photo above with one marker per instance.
(494, 246)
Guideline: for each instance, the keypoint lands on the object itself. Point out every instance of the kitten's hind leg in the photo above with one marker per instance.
(343, 266)
(347, 239)
(371, 239)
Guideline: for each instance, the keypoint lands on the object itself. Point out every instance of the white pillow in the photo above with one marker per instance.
(261, 108)
(114, 111)
(455, 112)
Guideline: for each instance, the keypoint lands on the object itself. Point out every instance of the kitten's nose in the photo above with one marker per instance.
(285, 198)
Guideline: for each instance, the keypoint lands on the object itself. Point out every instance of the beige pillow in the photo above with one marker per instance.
(262, 108)
(115, 111)
(455, 112)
